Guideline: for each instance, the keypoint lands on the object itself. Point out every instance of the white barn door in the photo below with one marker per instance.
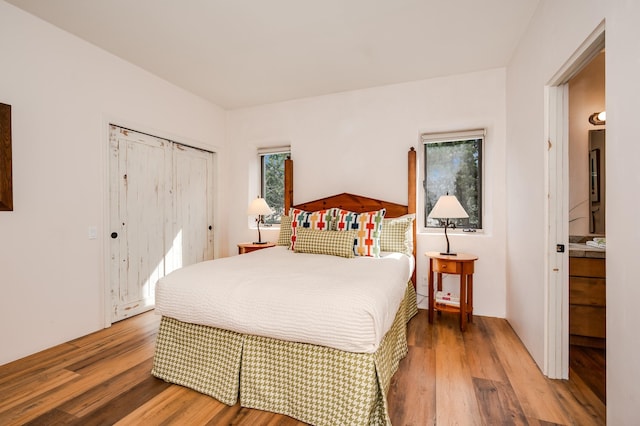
(193, 207)
(160, 211)
(139, 203)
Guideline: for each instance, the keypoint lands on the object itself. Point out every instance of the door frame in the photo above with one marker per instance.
(556, 351)
(107, 121)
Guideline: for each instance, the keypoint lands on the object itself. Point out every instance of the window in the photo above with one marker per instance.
(453, 165)
(272, 181)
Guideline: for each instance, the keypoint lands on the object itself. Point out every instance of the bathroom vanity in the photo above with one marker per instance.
(587, 295)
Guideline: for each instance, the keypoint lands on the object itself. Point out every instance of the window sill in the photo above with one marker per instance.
(457, 231)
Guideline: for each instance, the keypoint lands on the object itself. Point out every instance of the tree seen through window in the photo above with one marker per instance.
(273, 185)
(454, 167)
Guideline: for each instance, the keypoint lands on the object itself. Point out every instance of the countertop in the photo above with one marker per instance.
(583, 250)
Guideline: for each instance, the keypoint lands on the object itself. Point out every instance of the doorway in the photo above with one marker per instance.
(559, 208)
(587, 232)
(160, 215)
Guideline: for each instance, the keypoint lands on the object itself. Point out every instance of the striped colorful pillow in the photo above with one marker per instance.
(333, 243)
(319, 220)
(368, 225)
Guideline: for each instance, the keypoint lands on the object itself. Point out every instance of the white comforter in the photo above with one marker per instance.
(347, 304)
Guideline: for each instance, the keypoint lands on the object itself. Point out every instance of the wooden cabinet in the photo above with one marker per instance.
(460, 264)
(587, 301)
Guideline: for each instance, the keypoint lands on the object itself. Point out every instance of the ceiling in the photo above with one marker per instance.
(239, 53)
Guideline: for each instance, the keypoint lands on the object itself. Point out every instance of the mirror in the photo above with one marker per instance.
(597, 180)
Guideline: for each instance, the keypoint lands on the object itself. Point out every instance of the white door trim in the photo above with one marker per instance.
(556, 363)
(556, 357)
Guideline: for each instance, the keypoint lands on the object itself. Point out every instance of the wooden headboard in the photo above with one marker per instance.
(358, 203)
(354, 203)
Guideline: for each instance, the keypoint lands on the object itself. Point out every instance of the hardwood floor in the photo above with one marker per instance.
(482, 376)
(589, 365)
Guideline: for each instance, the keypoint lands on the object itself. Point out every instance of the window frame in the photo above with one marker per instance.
(262, 153)
(449, 137)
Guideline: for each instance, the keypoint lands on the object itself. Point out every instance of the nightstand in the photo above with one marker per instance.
(461, 264)
(249, 247)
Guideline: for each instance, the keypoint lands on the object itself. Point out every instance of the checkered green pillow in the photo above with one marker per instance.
(397, 234)
(284, 238)
(334, 243)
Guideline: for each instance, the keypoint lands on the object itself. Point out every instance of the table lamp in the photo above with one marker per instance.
(259, 208)
(448, 207)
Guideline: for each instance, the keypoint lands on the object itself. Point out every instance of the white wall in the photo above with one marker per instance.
(557, 29)
(623, 205)
(358, 141)
(63, 91)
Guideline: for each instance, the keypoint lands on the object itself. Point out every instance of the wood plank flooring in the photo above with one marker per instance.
(589, 365)
(481, 377)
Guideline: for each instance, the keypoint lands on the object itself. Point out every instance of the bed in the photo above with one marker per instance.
(292, 331)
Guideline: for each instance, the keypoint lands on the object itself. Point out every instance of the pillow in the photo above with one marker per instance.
(334, 243)
(320, 220)
(397, 234)
(367, 224)
(284, 238)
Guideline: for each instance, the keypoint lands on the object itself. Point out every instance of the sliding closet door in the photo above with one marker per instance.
(193, 201)
(140, 208)
(161, 215)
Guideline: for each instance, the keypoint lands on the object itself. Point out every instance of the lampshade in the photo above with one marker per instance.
(259, 207)
(448, 207)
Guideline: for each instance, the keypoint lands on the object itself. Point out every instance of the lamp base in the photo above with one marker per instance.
(448, 254)
(260, 242)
